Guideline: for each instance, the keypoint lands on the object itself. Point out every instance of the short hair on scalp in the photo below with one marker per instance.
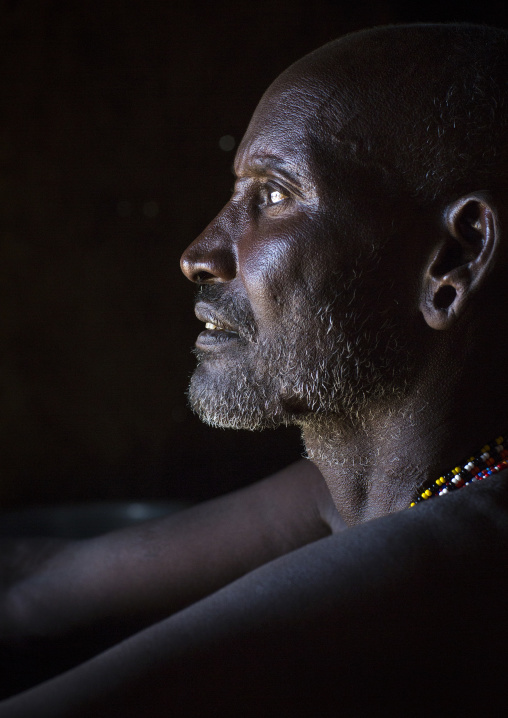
(435, 102)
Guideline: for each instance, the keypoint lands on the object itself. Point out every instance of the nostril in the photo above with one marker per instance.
(203, 277)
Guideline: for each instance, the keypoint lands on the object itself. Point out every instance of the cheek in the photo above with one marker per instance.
(277, 272)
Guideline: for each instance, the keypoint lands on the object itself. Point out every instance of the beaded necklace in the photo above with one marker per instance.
(491, 459)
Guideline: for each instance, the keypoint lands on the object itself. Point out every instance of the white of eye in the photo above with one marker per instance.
(276, 196)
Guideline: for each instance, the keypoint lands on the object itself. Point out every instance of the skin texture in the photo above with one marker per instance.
(356, 266)
(356, 299)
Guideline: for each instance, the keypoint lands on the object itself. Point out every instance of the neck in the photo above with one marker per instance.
(377, 467)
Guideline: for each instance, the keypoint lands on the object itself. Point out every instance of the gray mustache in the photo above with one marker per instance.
(230, 307)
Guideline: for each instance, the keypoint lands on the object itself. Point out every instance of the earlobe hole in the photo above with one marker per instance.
(444, 297)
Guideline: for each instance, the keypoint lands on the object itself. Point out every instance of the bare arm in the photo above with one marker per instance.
(409, 607)
(142, 574)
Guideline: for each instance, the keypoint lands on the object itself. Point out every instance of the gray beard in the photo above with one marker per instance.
(323, 369)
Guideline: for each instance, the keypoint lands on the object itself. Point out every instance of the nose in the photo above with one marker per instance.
(210, 258)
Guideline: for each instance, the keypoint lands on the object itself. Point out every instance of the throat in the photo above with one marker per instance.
(346, 466)
(369, 474)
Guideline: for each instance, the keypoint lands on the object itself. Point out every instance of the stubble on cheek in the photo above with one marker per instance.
(326, 358)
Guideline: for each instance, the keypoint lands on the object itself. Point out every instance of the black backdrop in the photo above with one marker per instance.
(110, 164)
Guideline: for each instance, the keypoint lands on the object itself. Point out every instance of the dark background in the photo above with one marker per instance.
(110, 164)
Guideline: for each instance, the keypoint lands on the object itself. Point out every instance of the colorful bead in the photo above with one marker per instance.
(475, 468)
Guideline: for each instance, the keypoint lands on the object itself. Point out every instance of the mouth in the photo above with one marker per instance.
(217, 330)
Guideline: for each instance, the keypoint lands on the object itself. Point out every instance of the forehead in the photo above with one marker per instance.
(279, 133)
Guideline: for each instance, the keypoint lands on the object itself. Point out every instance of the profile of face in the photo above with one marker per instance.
(302, 315)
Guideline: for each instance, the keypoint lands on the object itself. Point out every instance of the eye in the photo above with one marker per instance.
(272, 195)
(276, 196)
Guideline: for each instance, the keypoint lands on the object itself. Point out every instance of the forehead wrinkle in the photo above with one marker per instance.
(259, 164)
(282, 111)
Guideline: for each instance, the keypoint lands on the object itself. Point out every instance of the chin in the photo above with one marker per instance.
(233, 399)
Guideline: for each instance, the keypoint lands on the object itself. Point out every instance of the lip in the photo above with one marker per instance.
(215, 338)
(223, 332)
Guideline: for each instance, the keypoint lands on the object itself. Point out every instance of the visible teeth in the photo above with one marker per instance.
(209, 325)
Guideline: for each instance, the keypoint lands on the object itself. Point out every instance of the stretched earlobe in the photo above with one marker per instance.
(461, 261)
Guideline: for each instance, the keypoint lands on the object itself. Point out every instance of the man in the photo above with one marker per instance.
(353, 285)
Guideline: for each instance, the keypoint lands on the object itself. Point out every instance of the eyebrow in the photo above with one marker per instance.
(259, 164)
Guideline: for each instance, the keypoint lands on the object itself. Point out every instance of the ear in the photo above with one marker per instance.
(462, 260)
